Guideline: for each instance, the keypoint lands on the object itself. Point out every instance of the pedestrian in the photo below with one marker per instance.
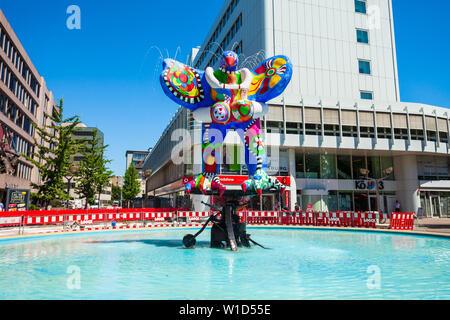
(297, 207)
(397, 206)
(1, 206)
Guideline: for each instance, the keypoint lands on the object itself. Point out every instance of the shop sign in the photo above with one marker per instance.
(238, 180)
(368, 185)
(17, 199)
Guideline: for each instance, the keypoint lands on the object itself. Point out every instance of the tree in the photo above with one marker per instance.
(103, 175)
(131, 184)
(116, 193)
(53, 155)
(93, 175)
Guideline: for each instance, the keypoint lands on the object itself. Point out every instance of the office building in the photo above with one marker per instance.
(340, 126)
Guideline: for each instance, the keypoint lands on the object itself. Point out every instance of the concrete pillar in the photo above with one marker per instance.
(292, 174)
(406, 175)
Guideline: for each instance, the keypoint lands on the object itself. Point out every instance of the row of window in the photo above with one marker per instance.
(16, 87)
(23, 171)
(362, 36)
(227, 40)
(13, 54)
(345, 167)
(433, 168)
(352, 131)
(220, 27)
(9, 109)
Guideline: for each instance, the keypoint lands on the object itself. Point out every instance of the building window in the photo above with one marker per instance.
(313, 166)
(366, 95)
(299, 165)
(362, 36)
(358, 163)
(344, 167)
(360, 6)
(364, 66)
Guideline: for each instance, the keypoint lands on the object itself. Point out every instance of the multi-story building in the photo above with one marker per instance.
(137, 158)
(340, 126)
(24, 99)
(117, 181)
(87, 134)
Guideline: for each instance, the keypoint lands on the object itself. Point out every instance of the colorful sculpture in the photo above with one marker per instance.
(226, 99)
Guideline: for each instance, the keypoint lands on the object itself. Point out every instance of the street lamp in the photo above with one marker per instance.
(73, 170)
(387, 172)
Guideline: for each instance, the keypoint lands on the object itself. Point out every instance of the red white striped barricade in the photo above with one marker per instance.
(346, 218)
(158, 216)
(366, 219)
(335, 219)
(402, 221)
(192, 216)
(297, 218)
(262, 217)
(369, 219)
(10, 219)
(37, 217)
(321, 218)
(358, 220)
(291, 218)
(308, 218)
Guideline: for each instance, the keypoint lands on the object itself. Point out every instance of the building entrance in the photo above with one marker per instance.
(435, 208)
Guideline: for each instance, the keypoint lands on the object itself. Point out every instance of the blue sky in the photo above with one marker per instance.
(107, 72)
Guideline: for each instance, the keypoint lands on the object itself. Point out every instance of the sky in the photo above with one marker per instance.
(107, 72)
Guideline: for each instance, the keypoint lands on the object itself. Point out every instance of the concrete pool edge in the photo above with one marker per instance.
(286, 227)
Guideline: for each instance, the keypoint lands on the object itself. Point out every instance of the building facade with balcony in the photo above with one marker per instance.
(24, 99)
(340, 116)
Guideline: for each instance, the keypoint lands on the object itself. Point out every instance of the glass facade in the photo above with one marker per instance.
(328, 166)
(343, 167)
(312, 166)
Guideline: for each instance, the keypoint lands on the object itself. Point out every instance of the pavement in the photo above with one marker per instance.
(439, 225)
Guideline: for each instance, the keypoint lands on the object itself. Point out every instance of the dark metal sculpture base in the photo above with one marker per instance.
(228, 231)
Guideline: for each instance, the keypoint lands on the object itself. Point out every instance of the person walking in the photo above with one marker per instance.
(297, 207)
(2, 206)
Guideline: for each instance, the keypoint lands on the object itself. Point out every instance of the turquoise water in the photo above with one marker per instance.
(301, 264)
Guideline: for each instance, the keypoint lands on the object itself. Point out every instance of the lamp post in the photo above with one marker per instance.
(73, 172)
(387, 172)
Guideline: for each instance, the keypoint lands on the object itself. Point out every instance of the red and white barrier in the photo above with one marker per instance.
(185, 214)
(399, 221)
(259, 217)
(402, 221)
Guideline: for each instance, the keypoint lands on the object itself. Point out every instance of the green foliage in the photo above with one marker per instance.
(93, 175)
(53, 155)
(131, 184)
(116, 193)
(56, 203)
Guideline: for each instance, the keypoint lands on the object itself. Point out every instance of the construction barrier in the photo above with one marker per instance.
(398, 221)
(259, 217)
(402, 221)
(10, 219)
